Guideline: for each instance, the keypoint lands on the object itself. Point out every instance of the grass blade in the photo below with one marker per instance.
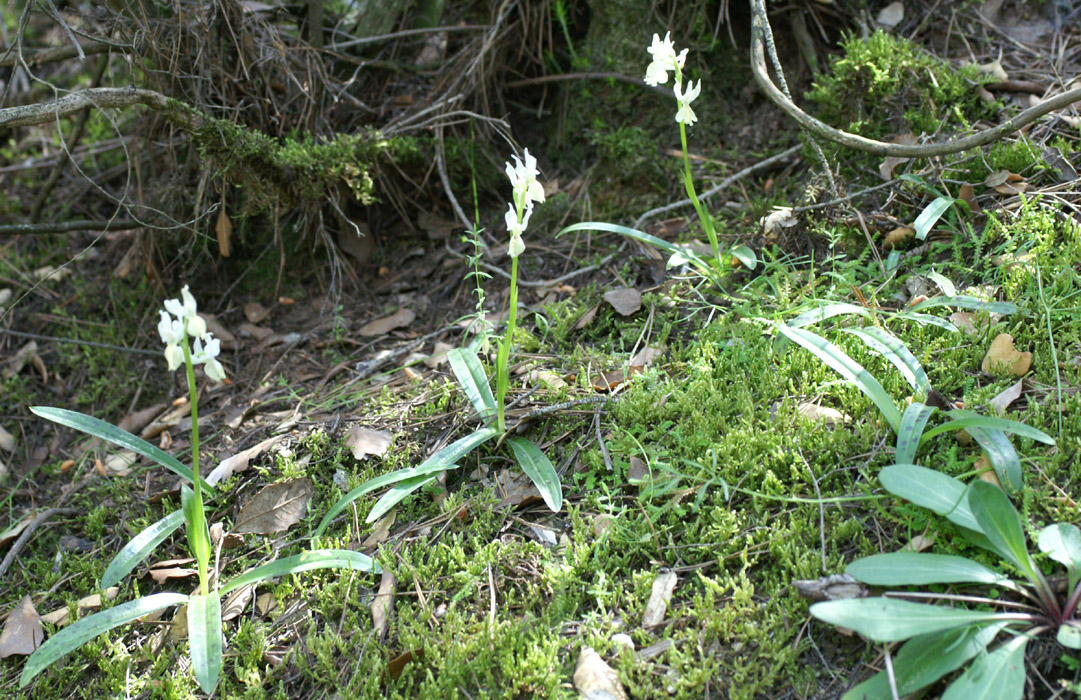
(397, 494)
(967, 419)
(1002, 455)
(893, 620)
(82, 631)
(139, 548)
(999, 675)
(927, 320)
(967, 302)
(920, 569)
(908, 435)
(891, 348)
(637, 235)
(204, 638)
(539, 468)
(441, 461)
(306, 561)
(826, 311)
(848, 368)
(473, 381)
(110, 433)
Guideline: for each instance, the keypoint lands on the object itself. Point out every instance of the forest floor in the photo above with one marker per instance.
(706, 464)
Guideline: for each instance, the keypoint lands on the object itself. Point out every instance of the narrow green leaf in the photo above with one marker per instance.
(204, 638)
(999, 675)
(1002, 455)
(305, 561)
(920, 569)
(944, 283)
(1062, 542)
(893, 620)
(397, 494)
(110, 433)
(745, 256)
(826, 311)
(637, 235)
(930, 216)
(195, 524)
(1001, 524)
(540, 470)
(927, 320)
(963, 420)
(1069, 636)
(967, 302)
(908, 435)
(139, 548)
(473, 381)
(848, 368)
(926, 658)
(931, 489)
(82, 631)
(444, 459)
(891, 348)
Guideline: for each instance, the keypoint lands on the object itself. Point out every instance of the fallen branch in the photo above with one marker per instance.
(101, 98)
(67, 227)
(60, 53)
(37, 522)
(759, 22)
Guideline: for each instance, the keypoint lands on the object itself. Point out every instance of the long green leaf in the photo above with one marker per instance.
(930, 216)
(826, 311)
(935, 491)
(891, 348)
(637, 235)
(306, 561)
(892, 620)
(927, 320)
(442, 460)
(82, 631)
(1001, 524)
(1062, 542)
(920, 569)
(924, 659)
(848, 368)
(139, 548)
(963, 420)
(110, 433)
(540, 470)
(397, 494)
(999, 675)
(966, 302)
(908, 435)
(1002, 455)
(204, 638)
(473, 381)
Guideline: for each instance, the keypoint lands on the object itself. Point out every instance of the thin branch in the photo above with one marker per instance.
(67, 227)
(54, 54)
(101, 98)
(860, 143)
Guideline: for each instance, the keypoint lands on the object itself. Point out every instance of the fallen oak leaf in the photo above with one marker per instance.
(365, 441)
(382, 326)
(23, 631)
(625, 300)
(1003, 358)
(275, 508)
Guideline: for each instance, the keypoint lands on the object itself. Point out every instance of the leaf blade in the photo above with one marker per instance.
(999, 675)
(204, 638)
(305, 561)
(139, 548)
(913, 422)
(540, 470)
(920, 569)
(473, 381)
(892, 620)
(895, 352)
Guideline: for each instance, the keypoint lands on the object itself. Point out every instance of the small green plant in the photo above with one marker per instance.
(947, 631)
(666, 59)
(179, 322)
(473, 381)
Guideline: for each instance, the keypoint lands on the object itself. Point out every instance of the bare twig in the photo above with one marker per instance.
(67, 227)
(37, 522)
(101, 98)
(54, 54)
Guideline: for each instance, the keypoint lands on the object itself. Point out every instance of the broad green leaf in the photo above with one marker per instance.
(396, 494)
(924, 659)
(930, 216)
(927, 320)
(1001, 524)
(827, 311)
(745, 256)
(963, 420)
(139, 548)
(966, 302)
(82, 631)
(195, 524)
(306, 561)
(1062, 542)
(204, 638)
(473, 381)
(540, 470)
(944, 283)
(444, 459)
(891, 348)
(848, 368)
(637, 235)
(999, 675)
(908, 435)
(920, 569)
(1069, 636)
(893, 620)
(110, 433)
(1002, 455)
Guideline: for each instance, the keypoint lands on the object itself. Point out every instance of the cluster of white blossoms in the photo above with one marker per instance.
(666, 59)
(527, 189)
(179, 320)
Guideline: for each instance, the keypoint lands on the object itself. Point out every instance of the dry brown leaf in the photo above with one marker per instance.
(891, 15)
(383, 605)
(380, 532)
(898, 236)
(595, 680)
(20, 358)
(384, 325)
(966, 322)
(994, 69)
(602, 523)
(969, 195)
(625, 301)
(90, 603)
(237, 602)
(919, 543)
(228, 340)
(255, 312)
(7, 440)
(646, 356)
(986, 472)
(1007, 396)
(832, 587)
(637, 470)
(1003, 358)
(135, 422)
(163, 574)
(830, 416)
(1012, 188)
(119, 463)
(275, 508)
(168, 420)
(516, 489)
(178, 626)
(997, 178)
(12, 533)
(224, 229)
(240, 461)
(609, 381)
(439, 355)
(251, 330)
(586, 318)
(266, 603)
(396, 665)
(657, 606)
(365, 441)
(23, 632)
(546, 377)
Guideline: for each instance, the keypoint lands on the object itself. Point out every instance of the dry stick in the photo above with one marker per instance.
(27, 115)
(880, 148)
(67, 227)
(61, 53)
(28, 533)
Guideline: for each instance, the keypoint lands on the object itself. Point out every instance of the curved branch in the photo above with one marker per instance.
(101, 98)
(860, 143)
(57, 53)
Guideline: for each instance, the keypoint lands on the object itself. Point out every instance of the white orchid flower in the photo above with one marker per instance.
(208, 356)
(664, 60)
(515, 228)
(187, 311)
(686, 115)
(523, 178)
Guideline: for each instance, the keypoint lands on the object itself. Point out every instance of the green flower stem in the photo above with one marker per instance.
(688, 184)
(502, 378)
(198, 528)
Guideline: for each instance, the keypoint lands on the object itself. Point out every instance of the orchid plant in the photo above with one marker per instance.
(187, 343)
(666, 60)
(473, 381)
